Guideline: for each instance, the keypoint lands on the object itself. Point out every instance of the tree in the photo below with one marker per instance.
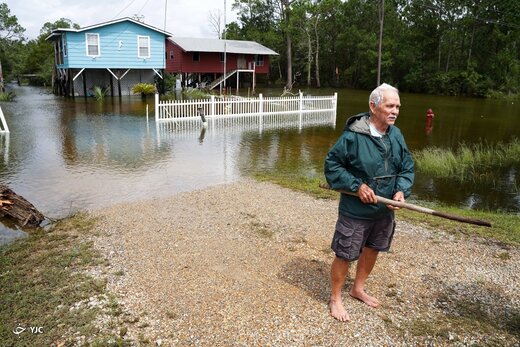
(39, 57)
(215, 22)
(11, 37)
(9, 27)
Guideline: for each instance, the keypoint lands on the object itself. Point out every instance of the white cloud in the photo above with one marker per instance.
(187, 18)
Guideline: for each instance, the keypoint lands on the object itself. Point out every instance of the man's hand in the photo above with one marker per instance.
(399, 196)
(366, 194)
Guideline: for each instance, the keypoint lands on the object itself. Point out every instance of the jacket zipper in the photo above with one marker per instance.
(386, 154)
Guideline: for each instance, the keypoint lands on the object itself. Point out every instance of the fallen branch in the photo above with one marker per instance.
(15, 206)
(417, 208)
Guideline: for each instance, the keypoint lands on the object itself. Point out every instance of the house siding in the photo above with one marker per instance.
(209, 62)
(118, 48)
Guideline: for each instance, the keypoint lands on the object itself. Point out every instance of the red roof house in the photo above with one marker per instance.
(203, 59)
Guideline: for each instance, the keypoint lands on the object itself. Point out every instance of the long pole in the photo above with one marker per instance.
(225, 56)
(417, 208)
(1, 79)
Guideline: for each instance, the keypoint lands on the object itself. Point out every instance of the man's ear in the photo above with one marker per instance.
(372, 107)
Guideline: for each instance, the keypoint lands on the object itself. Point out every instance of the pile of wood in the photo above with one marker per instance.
(15, 206)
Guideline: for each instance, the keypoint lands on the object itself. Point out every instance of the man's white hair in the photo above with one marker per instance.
(376, 97)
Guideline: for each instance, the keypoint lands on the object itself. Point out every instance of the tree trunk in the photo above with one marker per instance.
(309, 57)
(289, 62)
(317, 54)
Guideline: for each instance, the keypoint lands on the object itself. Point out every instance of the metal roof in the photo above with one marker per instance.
(190, 44)
(57, 31)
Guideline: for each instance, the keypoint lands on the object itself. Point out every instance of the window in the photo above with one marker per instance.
(259, 60)
(64, 40)
(222, 57)
(196, 56)
(143, 46)
(93, 45)
(171, 55)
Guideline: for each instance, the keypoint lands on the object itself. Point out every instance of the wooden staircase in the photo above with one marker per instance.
(221, 79)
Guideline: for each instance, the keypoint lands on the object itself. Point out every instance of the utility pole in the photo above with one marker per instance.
(2, 89)
(381, 20)
(225, 57)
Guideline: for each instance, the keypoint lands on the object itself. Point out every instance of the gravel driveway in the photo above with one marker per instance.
(248, 263)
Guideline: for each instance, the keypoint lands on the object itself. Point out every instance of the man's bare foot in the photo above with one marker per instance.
(367, 299)
(338, 311)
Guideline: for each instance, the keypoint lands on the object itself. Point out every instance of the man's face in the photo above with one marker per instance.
(387, 111)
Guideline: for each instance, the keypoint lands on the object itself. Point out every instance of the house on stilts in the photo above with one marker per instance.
(206, 63)
(114, 55)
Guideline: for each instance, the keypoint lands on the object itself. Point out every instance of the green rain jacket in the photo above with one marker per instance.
(383, 163)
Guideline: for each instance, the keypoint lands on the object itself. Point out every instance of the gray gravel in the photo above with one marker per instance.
(248, 263)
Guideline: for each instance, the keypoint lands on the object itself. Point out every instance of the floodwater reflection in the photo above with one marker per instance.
(65, 155)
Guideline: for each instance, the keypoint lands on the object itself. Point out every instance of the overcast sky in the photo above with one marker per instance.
(185, 18)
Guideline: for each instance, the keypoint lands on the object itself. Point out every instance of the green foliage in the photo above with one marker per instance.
(8, 96)
(99, 93)
(474, 162)
(10, 29)
(144, 88)
(451, 47)
(195, 94)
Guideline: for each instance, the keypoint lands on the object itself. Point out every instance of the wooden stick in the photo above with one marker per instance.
(418, 208)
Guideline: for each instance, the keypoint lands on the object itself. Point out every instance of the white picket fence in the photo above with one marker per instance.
(224, 107)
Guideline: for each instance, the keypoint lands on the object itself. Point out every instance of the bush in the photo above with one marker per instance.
(144, 89)
(99, 93)
(9, 96)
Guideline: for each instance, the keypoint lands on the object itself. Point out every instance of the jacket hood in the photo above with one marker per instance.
(358, 123)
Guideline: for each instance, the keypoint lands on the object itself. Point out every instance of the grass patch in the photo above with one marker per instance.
(262, 230)
(8, 96)
(43, 282)
(505, 226)
(468, 316)
(298, 183)
(469, 162)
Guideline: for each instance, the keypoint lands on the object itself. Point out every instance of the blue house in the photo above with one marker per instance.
(114, 55)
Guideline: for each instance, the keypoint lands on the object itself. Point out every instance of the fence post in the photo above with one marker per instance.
(4, 128)
(301, 108)
(335, 107)
(156, 96)
(261, 110)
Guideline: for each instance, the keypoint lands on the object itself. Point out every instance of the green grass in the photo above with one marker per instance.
(468, 162)
(505, 227)
(7, 96)
(42, 277)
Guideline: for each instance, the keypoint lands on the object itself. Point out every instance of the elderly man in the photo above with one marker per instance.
(370, 158)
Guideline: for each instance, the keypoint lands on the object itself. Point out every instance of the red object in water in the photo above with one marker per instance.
(429, 121)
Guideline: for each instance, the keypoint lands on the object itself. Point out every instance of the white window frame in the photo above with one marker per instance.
(97, 44)
(64, 44)
(139, 37)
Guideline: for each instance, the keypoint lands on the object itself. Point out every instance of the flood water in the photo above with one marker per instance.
(66, 155)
